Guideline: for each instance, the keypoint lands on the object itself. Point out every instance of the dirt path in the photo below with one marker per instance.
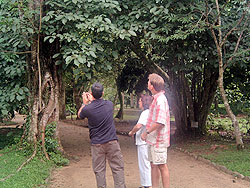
(185, 172)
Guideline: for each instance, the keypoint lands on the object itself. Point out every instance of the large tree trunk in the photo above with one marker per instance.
(43, 83)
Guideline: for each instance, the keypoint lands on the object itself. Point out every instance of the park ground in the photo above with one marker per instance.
(185, 171)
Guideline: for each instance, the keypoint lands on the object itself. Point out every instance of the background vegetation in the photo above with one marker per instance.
(53, 50)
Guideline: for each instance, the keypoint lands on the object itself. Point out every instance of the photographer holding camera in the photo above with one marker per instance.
(104, 141)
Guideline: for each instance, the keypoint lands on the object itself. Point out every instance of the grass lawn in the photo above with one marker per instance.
(32, 175)
(219, 151)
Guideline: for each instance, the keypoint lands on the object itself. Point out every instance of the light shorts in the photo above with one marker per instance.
(157, 155)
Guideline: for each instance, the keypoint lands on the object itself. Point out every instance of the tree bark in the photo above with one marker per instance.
(61, 98)
(132, 103)
(119, 114)
(219, 42)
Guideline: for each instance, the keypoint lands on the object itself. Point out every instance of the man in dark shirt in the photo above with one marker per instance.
(104, 141)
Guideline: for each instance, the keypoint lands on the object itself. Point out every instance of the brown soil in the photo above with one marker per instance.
(185, 171)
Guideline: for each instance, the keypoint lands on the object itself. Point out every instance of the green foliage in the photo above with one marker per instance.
(50, 141)
(13, 92)
(71, 108)
(51, 144)
(13, 88)
(58, 159)
(225, 124)
(80, 27)
(9, 136)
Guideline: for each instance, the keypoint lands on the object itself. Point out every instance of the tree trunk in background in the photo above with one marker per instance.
(58, 80)
(189, 102)
(119, 114)
(219, 42)
(77, 99)
(238, 136)
(177, 102)
(132, 103)
(61, 99)
(206, 96)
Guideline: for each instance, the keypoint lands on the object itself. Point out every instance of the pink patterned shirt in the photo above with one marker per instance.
(159, 113)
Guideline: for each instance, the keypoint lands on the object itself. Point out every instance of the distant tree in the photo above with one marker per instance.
(229, 26)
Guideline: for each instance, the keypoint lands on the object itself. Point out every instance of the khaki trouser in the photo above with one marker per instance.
(112, 152)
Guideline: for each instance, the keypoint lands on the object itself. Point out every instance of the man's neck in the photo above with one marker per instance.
(154, 92)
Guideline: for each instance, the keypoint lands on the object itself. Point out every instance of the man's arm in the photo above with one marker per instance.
(154, 127)
(86, 98)
(79, 111)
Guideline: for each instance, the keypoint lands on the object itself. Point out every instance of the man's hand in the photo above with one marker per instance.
(131, 133)
(144, 136)
(86, 97)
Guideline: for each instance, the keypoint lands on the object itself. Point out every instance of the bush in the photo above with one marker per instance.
(225, 124)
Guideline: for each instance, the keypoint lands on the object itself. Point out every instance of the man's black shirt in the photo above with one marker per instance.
(100, 119)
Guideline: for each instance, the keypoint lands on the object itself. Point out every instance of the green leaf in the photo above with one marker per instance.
(4, 112)
(115, 54)
(76, 62)
(107, 20)
(88, 75)
(56, 55)
(122, 36)
(46, 38)
(12, 98)
(30, 30)
(51, 40)
(19, 97)
(64, 21)
(132, 33)
(153, 10)
(20, 91)
(68, 59)
(80, 59)
(92, 54)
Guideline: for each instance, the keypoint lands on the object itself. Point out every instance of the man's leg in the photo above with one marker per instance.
(155, 175)
(164, 175)
(99, 164)
(116, 164)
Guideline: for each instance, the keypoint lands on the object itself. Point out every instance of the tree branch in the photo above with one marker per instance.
(237, 45)
(26, 52)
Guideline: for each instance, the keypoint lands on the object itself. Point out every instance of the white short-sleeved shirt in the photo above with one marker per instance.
(142, 120)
